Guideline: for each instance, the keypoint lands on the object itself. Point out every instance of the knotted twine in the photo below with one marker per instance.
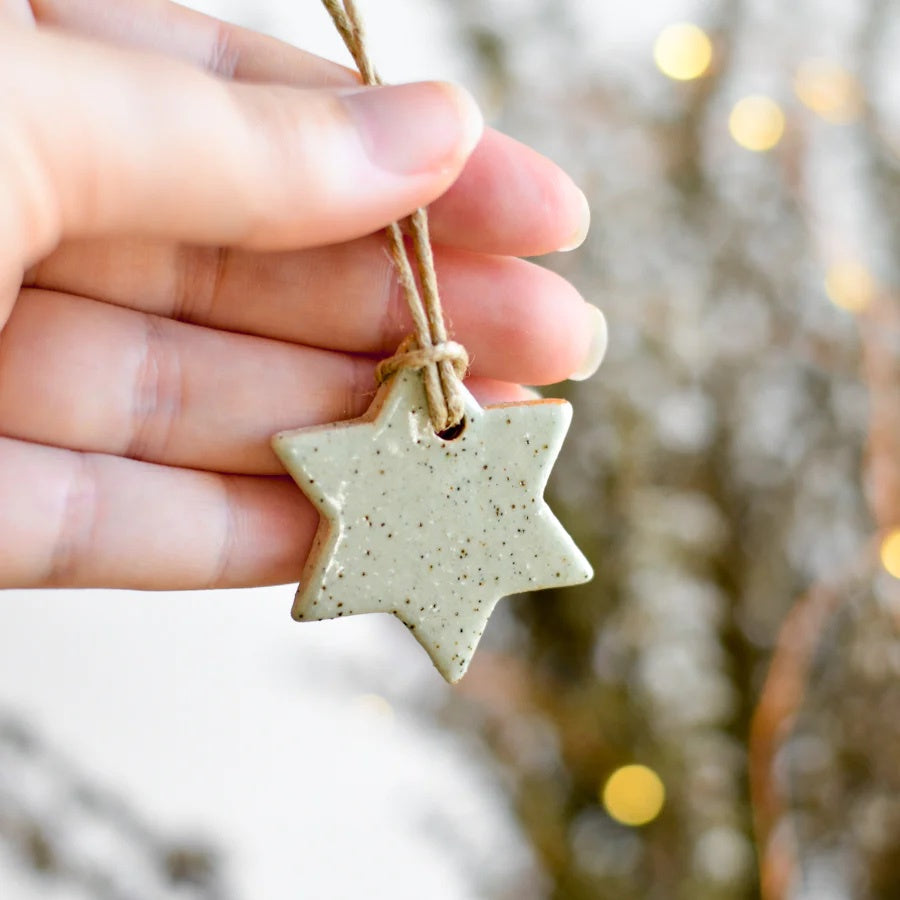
(443, 362)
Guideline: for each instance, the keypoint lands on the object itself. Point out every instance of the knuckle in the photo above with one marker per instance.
(74, 535)
(199, 276)
(223, 53)
(157, 397)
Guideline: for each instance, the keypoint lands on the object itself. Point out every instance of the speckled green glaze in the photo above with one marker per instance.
(433, 531)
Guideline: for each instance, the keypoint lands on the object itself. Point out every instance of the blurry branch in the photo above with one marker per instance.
(780, 702)
(69, 832)
(786, 683)
(800, 635)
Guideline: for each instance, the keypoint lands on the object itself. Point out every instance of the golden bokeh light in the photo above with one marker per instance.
(683, 51)
(850, 285)
(756, 123)
(633, 795)
(374, 706)
(829, 90)
(890, 552)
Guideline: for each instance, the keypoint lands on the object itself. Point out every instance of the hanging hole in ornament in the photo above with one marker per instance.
(454, 431)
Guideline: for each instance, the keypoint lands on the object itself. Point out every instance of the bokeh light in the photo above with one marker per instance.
(829, 90)
(890, 552)
(849, 285)
(683, 51)
(634, 795)
(756, 123)
(374, 706)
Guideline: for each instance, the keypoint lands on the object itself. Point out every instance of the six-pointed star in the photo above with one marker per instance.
(434, 531)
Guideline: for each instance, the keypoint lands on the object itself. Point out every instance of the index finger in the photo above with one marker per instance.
(509, 200)
(135, 142)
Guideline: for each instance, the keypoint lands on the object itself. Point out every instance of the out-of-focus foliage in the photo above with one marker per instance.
(80, 841)
(737, 455)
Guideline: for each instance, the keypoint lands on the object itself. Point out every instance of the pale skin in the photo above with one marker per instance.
(191, 261)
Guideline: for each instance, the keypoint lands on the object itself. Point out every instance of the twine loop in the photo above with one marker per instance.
(442, 362)
(409, 355)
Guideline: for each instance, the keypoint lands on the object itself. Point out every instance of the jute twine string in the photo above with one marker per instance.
(443, 362)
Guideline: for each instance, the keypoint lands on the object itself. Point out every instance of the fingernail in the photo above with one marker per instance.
(584, 226)
(597, 347)
(410, 129)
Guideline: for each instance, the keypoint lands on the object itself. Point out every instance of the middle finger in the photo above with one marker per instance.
(519, 321)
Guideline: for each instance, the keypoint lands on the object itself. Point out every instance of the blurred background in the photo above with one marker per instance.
(718, 714)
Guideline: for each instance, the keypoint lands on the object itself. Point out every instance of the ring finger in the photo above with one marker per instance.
(89, 376)
(519, 321)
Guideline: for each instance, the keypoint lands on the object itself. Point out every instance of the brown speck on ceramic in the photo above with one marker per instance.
(437, 495)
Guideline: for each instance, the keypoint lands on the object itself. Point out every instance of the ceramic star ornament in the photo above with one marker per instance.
(433, 531)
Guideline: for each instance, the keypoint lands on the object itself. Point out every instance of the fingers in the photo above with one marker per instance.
(174, 30)
(519, 322)
(511, 200)
(83, 520)
(89, 376)
(508, 200)
(133, 142)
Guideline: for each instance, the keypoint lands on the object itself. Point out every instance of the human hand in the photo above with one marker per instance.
(196, 210)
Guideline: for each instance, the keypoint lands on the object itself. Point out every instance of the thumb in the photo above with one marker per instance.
(106, 140)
